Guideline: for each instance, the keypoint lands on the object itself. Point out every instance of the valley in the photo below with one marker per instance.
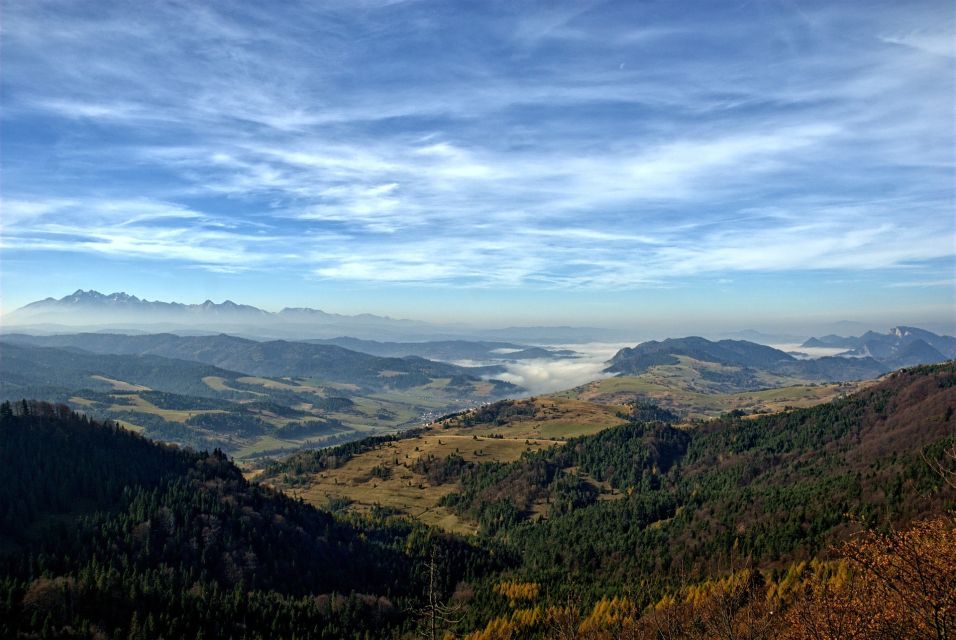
(728, 517)
(258, 399)
(684, 464)
(431, 320)
(205, 406)
(394, 475)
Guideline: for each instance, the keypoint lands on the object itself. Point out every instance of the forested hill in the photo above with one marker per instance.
(105, 534)
(729, 352)
(272, 358)
(688, 506)
(25, 369)
(774, 488)
(621, 520)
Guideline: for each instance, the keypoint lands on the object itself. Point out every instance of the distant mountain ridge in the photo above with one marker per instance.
(873, 355)
(92, 311)
(904, 344)
(80, 301)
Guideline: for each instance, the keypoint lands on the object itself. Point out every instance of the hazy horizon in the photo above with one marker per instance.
(666, 165)
(622, 332)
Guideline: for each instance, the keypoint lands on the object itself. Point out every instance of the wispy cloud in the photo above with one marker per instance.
(138, 228)
(950, 282)
(561, 147)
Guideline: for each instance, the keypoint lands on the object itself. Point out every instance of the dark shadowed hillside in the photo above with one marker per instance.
(105, 533)
(24, 368)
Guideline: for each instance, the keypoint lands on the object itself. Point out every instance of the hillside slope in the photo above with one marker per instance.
(765, 489)
(329, 363)
(24, 368)
(768, 488)
(106, 534)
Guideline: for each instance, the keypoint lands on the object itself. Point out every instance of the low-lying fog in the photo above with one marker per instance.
(811, 353)
(546, 375)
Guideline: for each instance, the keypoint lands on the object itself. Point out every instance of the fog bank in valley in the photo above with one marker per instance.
(550, 375)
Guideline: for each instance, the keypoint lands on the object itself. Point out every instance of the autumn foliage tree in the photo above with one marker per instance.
(903, 586)
(898, 585)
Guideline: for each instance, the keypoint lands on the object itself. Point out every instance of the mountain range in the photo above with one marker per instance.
(900, 343)
(92, 308)
(91, 311)
(95, 311)
(868, 356)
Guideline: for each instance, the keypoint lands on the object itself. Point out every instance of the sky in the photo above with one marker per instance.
(741, 164)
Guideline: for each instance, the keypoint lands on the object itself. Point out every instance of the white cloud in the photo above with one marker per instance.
(550, 375)
(939, 43)
(21, 211)
(138, 228)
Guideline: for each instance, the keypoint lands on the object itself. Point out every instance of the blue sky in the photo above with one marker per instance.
(733, 163)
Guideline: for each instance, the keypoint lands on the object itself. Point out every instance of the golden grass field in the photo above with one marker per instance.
(119, 385)
(555, 418)
(405, 490)
(411, 493)
(581, 411)
(137, 403)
